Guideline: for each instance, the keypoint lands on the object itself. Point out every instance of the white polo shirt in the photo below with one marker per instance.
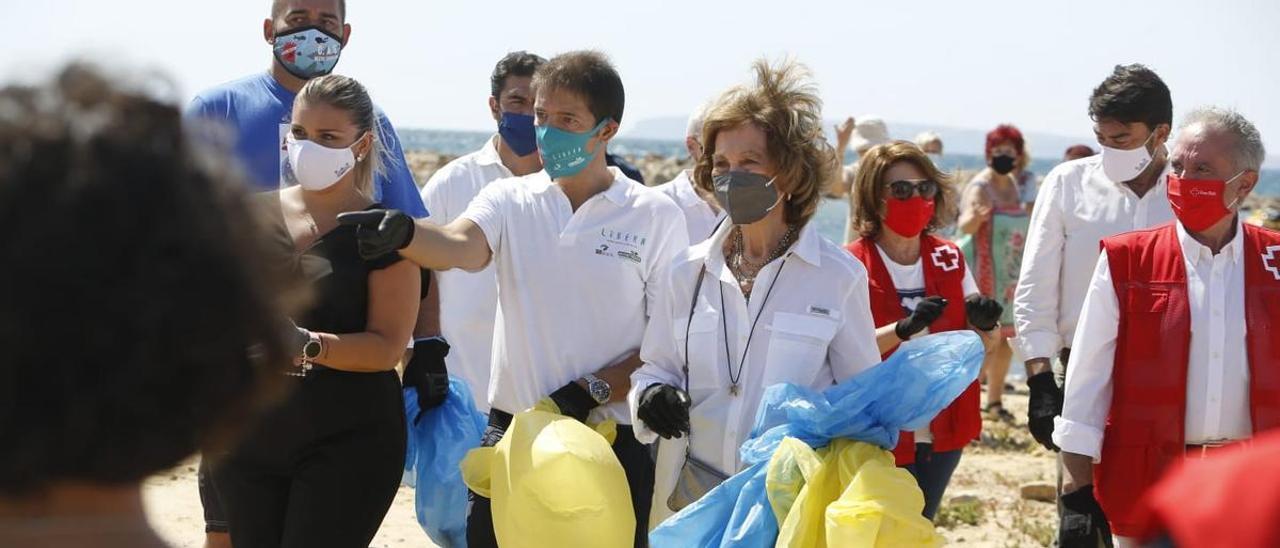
(574, 287)
(1077, 207)
(468, 300)
(699, 217)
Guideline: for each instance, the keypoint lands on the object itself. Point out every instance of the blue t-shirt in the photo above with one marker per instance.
(259, 109)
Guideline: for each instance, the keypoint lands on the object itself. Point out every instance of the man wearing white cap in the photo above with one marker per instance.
(860, 136)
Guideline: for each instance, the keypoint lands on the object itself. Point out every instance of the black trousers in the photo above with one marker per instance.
(634, 456)
(320, 470)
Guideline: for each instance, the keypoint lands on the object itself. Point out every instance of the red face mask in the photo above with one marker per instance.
(1197, 203)
(908, 217)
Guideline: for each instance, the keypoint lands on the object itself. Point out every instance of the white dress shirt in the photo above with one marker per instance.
(699, 217)
(574, 287)
(468, 300)
(815, 329)
(1217, 367)
(1076, 208)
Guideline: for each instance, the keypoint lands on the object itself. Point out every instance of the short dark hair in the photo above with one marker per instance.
(516, 63)
(589, 74)
(278, 5)
(140, 314)
(1133, 93)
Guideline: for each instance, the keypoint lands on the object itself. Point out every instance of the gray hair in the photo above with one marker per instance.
(1249, 152)
(696, 119)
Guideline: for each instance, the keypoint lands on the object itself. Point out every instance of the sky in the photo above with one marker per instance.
(970, 64)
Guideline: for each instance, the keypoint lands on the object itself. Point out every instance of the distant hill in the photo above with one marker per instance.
(955, 140)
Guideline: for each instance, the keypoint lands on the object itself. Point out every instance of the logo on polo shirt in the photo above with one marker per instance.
(945, 258)
(1269, 261)
(622, 237)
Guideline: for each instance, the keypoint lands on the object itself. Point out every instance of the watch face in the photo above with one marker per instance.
(311, 350)
(600, 390)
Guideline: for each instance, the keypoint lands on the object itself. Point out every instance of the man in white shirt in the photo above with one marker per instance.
(701, 211)
(578, 249)
(1176, 352)
(1081, 203)
(468, 301)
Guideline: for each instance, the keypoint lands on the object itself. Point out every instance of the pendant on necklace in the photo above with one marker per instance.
(733, 389)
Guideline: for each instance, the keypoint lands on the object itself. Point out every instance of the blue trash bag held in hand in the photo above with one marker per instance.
(904, 393)
(437, 442)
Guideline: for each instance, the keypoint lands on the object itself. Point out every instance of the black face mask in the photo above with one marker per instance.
(1003, 164)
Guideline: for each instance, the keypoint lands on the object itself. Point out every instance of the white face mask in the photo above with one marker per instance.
(317, 167)
(1122, 166)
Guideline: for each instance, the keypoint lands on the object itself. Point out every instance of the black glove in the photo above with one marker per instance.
(925, 314)
(983, 313)
(1083, 523)
(1046, 403)
(427, 373)
(379, 231)
(665, 410)
(574, 401)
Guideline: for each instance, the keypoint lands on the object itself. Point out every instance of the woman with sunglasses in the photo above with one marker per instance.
(764, 300)
(919, 283)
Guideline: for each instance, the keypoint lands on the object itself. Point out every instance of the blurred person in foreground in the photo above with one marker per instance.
(1176, 355)
(138, 259)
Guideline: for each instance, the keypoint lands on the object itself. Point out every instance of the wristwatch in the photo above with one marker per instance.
(599, 388)
(311, 350)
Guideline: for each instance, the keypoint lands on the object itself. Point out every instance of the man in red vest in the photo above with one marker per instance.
(1176, 351)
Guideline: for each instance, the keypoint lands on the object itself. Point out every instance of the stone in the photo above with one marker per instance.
(1040, 491)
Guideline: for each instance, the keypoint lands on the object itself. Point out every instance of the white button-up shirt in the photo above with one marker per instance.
(574, 287)
(1217, 368)
(468, 300)
(1076, 208)
(815, 329)
(699, 217)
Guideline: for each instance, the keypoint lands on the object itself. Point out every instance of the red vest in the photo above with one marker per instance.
(1145, 425)
(944, 269)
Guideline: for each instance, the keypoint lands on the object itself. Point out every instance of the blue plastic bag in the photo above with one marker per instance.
(904, 393)
(437, 442)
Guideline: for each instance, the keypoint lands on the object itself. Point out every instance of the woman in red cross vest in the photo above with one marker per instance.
(918, 284)
(1178, 346)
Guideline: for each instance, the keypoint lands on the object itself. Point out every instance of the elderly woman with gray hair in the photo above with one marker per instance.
(1175, 356)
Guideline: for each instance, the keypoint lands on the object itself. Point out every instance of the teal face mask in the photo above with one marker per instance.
(564, 153)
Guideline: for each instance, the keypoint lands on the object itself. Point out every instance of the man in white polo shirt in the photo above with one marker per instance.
(701, 211)
(468, 301)
(1080, 203)
(578, 249)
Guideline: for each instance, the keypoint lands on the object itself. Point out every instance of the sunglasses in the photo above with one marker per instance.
(903, 190)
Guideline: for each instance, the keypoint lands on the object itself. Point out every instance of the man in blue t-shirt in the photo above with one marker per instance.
(307, 37)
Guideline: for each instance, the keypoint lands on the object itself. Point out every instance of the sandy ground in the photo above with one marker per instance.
(991, 472)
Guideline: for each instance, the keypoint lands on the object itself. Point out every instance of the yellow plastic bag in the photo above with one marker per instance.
(554, 481)
(855, 496)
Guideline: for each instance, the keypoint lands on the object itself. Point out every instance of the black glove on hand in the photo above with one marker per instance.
(925, 313)
(1046, 403)
(1083, 523)
(427, 373)
(574, 401)
(665, 410)
(983, 313)
(379, 231)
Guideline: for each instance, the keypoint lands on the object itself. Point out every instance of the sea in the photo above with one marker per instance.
(830, 219)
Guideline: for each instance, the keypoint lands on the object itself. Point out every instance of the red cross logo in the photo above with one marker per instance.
(1269, 261)
(948, 259)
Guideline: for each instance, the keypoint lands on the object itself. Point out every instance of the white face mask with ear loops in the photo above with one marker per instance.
(317, 167)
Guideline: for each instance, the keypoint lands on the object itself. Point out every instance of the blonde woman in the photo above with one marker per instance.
(764, 300)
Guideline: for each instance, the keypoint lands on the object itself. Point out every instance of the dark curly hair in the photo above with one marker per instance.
(138, 316)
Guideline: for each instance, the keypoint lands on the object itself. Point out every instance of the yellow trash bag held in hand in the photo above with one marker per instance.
(846, 494)
(554, 482)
